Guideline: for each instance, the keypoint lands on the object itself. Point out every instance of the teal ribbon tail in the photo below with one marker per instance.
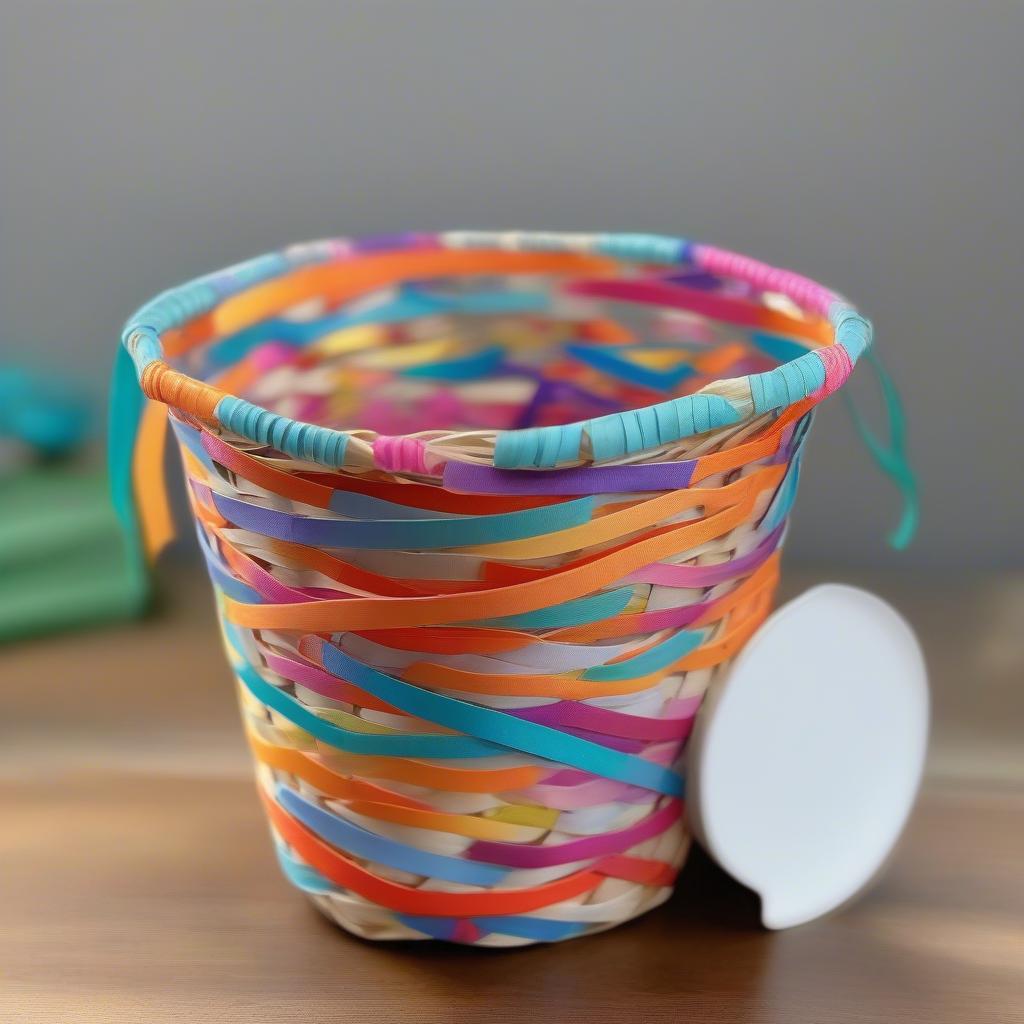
(124, 415)
(892, 458)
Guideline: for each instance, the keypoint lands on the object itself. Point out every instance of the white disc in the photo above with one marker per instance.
(805, 762)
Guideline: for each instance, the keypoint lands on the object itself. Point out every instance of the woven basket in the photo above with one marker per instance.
(484, 514)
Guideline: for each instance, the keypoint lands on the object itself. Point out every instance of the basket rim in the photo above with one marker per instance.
(607, 439)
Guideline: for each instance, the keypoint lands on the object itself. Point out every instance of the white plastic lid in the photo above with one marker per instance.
(805, 761)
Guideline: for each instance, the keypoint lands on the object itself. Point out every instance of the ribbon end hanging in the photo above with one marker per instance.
(136, 437)
(891, 458)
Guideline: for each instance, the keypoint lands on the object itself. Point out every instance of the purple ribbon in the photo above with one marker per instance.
(659, 476)
(589, 847)
(700, 576)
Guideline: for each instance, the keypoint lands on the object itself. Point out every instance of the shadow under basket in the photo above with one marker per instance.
(485, 515)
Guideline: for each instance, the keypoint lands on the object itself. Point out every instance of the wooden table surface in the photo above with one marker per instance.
(137, 881)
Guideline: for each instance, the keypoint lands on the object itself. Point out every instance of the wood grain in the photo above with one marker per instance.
(137, 881)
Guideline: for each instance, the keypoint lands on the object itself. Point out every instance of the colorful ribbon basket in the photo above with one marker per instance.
(485, 514)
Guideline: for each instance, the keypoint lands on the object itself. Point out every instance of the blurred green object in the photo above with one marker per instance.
(64, 560)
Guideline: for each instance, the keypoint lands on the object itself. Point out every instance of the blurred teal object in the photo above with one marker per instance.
(47, 414)
(65, 560)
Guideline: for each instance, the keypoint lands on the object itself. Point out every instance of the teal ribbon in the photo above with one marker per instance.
(891, 458)
(124, 415)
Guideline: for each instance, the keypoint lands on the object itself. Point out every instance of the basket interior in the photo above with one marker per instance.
(471, 352)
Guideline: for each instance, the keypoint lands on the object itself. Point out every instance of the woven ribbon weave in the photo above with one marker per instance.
(485, 514)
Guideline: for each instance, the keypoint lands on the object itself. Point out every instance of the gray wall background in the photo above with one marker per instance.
(877, 146)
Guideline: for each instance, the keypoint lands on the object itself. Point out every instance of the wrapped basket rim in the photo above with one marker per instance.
(724, 402)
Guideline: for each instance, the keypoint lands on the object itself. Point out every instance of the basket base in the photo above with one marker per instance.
(377, 924)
